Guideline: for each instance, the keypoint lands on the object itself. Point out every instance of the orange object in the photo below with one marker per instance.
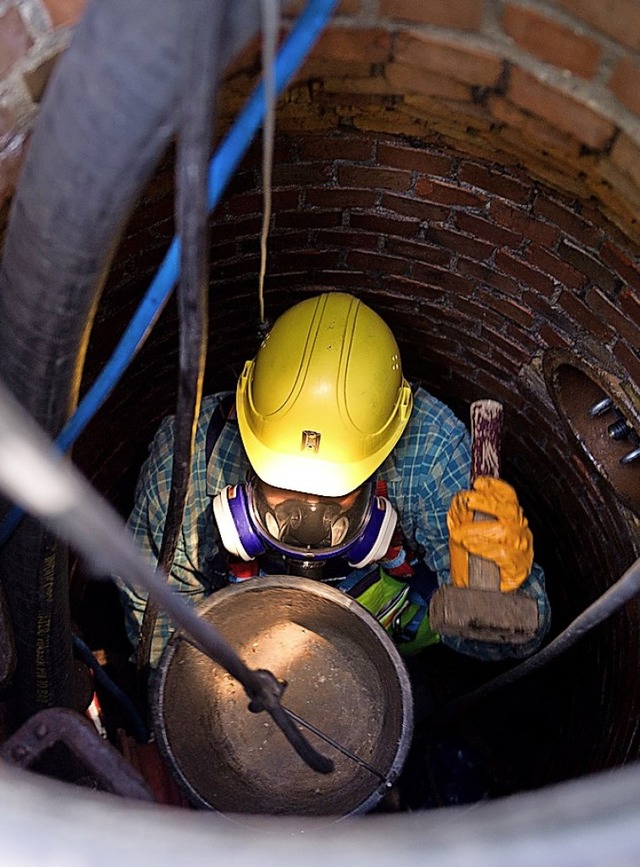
(505, 538)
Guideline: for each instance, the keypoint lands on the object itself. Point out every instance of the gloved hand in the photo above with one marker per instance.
(507, 540)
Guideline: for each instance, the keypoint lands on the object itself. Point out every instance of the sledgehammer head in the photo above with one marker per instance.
(484, 615)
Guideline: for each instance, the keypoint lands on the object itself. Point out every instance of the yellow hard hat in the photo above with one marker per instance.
(324, 401)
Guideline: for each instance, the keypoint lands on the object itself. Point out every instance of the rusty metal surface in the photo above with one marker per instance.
(601, 408)
(54, 727)
(344, 676)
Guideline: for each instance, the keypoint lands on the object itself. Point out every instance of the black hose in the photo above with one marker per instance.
(107, 116)
(199, 84)
(84, 653)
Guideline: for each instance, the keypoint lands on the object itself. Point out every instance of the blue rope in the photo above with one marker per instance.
(224, 162)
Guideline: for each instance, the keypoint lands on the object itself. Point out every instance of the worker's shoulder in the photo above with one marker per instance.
(431, 415)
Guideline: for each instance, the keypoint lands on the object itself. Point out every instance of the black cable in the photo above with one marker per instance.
(194, 143)
(103, 681)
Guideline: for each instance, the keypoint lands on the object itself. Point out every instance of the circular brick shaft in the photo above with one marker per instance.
(470, 170)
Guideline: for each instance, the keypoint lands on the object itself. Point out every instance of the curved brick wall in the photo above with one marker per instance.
(470, 169)
(480, 271)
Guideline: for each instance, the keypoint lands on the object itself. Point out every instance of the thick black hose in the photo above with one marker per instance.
(84, 653)
(199, 84)
(107, 116)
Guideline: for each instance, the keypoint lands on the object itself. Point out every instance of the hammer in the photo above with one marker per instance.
(482, 611)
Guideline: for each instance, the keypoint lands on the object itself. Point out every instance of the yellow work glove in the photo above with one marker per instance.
(507, 540)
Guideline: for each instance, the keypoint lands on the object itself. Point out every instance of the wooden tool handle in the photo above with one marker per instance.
(486, 438)
(486, 444)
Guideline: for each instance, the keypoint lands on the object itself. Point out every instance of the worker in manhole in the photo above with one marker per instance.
(326, 463)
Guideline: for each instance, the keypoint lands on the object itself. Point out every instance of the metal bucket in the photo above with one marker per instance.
(344, 676)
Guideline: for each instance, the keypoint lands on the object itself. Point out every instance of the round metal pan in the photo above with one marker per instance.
(344, 676)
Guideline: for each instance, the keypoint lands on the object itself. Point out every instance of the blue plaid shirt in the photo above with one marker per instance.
(427, 467)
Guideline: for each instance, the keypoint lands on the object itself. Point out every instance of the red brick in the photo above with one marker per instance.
(630, 303)
(552, 314)
(418, 251)
(583, 317)
(247, 265)
(374, 178)
(567, 220)
(447, 193)
(513, 348)
(495, 181)
(442, 277)
(625, 83)
(473, 311)
(460, 243)
(617, 18)
(405, 79)
(63, 13)
(488, 275)
(353, 45)
(384, 225)
(518, 221)
(530, 133)
(412, 288)
(414, 159)
(301, 175)
(551, 41)
(15, 40)
(343, 198)
(607, 311)
(304, 260)
(456, 14)
(487, 231)
(626, 268)
(524, 273)
(510, 309)
(230, 230)
(251, 203)
(318, 69)
(453, 60)
(347, 239)
(347, 98)
(327, 148)
(546, 261)
(587, 264)
(308, 219)
(279, 240)
(561, 109)
(409, 207)
(554, 338)
(376, 262)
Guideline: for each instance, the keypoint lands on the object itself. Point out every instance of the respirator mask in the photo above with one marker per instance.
(256, 517)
